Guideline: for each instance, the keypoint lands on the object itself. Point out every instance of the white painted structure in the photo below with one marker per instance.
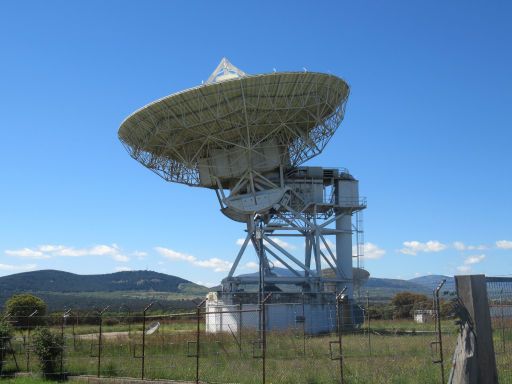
(423, 315)
(313, 317)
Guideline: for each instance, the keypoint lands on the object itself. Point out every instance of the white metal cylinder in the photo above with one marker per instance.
(347, 198)
(344, 251)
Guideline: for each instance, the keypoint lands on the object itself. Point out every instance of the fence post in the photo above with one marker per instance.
(100, 337)
(143, 357)
(240, 326)
(368, 328)
(28, 346)
(439, 340)
(198, 333)
(502, 321)
(264, 335)
(303, 325)
(339, 326)
(340, 338)
(472, 292)
(65, 315)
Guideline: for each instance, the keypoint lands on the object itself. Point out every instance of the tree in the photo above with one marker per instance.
(405, 302)
(21, 307)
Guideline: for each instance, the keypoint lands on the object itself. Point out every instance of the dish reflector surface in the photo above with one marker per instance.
(236, 123)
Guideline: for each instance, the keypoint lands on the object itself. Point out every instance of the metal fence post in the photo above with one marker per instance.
(27, 346)
(502, 321)
(143, 357)
(303, 326)
(100, 337)
(264, 335)
(340, 331)
(240, 327)
(439, 340)
(198, 339)
(65, 315)
(368, 326)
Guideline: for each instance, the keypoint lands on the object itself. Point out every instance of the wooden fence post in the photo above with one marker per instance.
(472, 291)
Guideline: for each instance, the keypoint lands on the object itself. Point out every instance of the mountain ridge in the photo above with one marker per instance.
(51, 280)
(61, 288)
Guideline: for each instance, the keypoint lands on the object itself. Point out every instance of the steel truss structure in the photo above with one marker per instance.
(312, 221)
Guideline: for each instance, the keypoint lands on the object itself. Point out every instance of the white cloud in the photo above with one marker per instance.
(26, 253)
(174, 255)
(283, 244)
(218, 265)
(17, 268)
(240, 242)
(47, 251)
(121, 258)
(468, 262)
(373, 251)
(251, 265)
(140, 255)
(414, 247)
(474, 259)
(460, 246)
(504, 244)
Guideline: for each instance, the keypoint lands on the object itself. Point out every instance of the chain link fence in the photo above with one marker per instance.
(499, 293)
(278, 342)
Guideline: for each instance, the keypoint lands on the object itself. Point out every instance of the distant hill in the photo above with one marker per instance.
(380, 289)
(137, 288)
(59, 281)
(432, 281)
(61, 289)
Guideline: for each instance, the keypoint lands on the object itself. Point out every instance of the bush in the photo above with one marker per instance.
(48, 347)
(5, 336)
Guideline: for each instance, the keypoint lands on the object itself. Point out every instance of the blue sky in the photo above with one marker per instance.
(427, 130)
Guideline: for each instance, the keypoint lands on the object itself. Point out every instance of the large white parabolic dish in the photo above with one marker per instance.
(223, 129)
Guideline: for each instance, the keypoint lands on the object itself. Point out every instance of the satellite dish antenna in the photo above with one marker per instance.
(153, 327)
(250, 135)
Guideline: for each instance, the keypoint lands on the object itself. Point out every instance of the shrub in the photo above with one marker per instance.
(48, 347)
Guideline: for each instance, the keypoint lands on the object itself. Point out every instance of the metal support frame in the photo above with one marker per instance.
(312, 226)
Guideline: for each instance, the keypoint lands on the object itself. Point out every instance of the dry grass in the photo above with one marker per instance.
(393, 358)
